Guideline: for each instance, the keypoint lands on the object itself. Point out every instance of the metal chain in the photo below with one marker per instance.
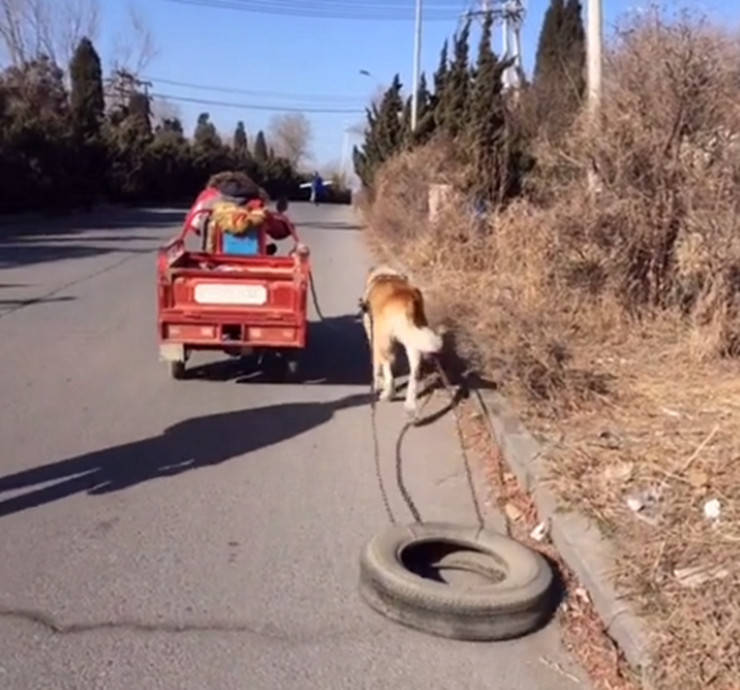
(374, 423)
(408, 500)
(399, 475)
(315, 298)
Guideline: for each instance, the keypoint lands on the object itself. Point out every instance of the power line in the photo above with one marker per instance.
(257, 106)
(362, 4)
(249, 92)
(356, 11)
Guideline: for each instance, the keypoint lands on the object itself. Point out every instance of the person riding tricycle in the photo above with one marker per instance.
(231, 215)
(233, 293)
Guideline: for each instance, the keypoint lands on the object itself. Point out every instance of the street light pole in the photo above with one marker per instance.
(417, 61)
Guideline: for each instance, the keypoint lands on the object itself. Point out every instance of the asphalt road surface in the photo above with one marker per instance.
(203, 534)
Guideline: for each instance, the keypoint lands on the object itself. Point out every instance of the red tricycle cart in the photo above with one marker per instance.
(211, 300)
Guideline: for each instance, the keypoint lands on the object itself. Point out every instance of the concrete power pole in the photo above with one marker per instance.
(593, 52)
(505, 47)
(417, 61)
(510, 14)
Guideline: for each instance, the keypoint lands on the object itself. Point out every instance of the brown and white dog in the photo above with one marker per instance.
(394, 313)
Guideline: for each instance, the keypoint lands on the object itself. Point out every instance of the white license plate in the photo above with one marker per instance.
(218, 293)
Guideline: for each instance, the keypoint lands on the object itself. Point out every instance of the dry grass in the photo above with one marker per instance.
(613, 320)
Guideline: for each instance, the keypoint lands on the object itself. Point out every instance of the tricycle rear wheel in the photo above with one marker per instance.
(292, 366)
(283, 365)
(177, 370)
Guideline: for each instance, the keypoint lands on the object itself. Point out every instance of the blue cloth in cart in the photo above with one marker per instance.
(245, 245)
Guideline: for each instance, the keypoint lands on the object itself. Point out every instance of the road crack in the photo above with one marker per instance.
(267, 632)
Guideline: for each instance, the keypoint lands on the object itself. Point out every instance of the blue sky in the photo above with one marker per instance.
(302, 61)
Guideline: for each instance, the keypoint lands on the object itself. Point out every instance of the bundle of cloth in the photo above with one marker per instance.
(238, 208)
(230, 217)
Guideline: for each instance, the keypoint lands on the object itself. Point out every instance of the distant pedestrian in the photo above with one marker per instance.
(317, 188)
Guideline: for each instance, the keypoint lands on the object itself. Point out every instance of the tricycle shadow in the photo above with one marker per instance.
(336, 354)
(188, 445)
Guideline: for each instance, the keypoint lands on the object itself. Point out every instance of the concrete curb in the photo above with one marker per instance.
(577, 539)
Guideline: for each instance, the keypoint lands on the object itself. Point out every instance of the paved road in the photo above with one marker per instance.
(201, 534)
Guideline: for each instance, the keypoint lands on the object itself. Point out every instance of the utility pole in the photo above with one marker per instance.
(593, 52)
(593, 55)
(510, 13)
(417, 61)
(504, 45)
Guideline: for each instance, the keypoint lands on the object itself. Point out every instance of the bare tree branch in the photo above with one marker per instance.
(11, 31)
(30, 28)
(135, 49)
(291, 134)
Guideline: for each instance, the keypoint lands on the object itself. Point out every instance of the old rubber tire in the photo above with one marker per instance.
(177, 370)
(514, 606)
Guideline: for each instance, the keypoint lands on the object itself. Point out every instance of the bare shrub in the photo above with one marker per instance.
(664, 229)
(291, 135)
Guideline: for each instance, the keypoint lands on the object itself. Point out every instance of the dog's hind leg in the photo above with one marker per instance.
(414, 357)
(388, 387)
(385, 359)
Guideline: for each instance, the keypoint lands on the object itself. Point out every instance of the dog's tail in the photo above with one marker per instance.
(417, 333)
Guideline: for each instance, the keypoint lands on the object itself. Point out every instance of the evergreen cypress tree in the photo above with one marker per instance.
(559, 68)
(456, 93)
(385, 135)
(390, 129)
(548, 47)
(425, 123)
(260, 148)
(440, 83)
(140, 114)
(173, 125)
(406, 123)
(205, 133)
(366, 159)
(86, 98)
(440, 76)
(487, 130)
(240, 141)
(574, 36)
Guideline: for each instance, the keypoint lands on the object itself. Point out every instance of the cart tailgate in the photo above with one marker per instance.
(262, 297)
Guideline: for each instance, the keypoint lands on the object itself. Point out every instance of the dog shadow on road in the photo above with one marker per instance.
(187, 445)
